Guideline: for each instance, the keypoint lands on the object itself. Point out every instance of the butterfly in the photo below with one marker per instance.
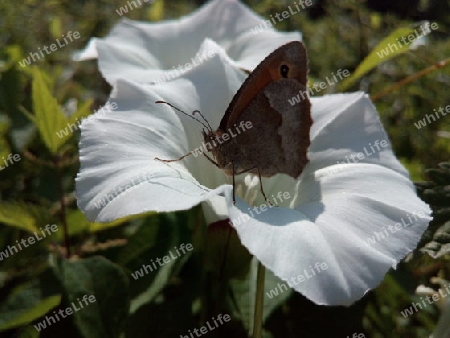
(261, 132)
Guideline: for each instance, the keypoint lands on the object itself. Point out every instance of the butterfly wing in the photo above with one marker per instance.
(293, 55)
(279, 139)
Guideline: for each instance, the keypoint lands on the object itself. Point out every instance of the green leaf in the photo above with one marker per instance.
(78, 223)
(105, 315)
(55, 27)
(29, 302)
(15, 54)
(379, 54)
(83, 111)
(158, 283)
(224, 253)
(28, 332)
(171, 318)
(37, 311)
(94, 227)
(156, 11)
(48, 117)
(5, 150)
(169, 235)
(23, 216)
(144, 239)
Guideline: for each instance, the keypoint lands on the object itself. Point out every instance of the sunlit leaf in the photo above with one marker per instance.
(23, 216)
(156, 11)
(382, 52)
(48, 116)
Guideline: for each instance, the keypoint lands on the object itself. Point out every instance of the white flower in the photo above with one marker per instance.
(332, 211)
(152, 52)
(358, 218)
(119, 175)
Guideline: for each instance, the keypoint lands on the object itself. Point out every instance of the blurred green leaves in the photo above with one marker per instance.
(436, 192)
(23, 216)
(29, 301)
(98, 277)
(373, 59)
(54, 127)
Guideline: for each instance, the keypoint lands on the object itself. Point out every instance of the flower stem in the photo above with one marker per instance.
(259, 301)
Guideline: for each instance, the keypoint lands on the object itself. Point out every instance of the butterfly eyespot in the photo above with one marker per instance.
(284, 70)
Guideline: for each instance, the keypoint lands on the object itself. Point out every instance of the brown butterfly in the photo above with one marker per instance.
(261, 132)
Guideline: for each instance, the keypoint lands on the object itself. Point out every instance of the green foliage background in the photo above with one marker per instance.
(39, 189)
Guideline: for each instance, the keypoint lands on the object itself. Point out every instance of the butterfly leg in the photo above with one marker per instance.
(261, 187)
(178, 159)
(189, 153)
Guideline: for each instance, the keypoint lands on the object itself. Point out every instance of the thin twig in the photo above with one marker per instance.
(410, 78)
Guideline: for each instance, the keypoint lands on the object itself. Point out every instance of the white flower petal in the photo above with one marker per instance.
(88, 53)
(146, 52)
(117, 148)
(334, 227)
(250, 48)
(342, 210)
(345, 125)
(119, 175)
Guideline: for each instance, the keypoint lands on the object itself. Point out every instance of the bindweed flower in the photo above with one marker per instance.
(332, 234)
(159, 52)
(353, 208)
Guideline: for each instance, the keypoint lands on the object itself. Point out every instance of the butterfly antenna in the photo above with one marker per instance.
(204, 118)
(207, 126)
